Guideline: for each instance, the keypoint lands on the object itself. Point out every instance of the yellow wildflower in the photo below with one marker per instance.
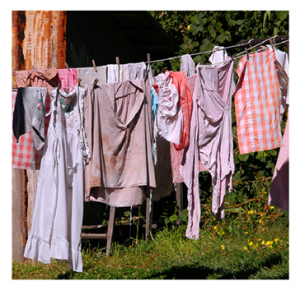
(250, 212)
(129, 247)
(276, 240)
(223, 247)
(214, 219)
(263, 242)
(259, 240)
(250, 244)
(215, 227)
(246, 233)
(245, 248)
(271, 246)
(265, 192)
(271, 207)
(189, 27)
(256, 245)
(269, 243)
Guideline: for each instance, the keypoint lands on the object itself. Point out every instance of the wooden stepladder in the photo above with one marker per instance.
(107, 236)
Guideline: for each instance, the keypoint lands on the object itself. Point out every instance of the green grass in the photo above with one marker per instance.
(220, 253)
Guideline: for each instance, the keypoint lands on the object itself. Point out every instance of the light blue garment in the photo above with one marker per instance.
(154, 101)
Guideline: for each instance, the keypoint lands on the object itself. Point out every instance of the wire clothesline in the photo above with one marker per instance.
(238, 55)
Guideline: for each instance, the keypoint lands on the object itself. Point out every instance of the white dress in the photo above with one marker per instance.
(58, 211)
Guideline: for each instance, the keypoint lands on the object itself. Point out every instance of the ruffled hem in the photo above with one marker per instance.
(38, 249)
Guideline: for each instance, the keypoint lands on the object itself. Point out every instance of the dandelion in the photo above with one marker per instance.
(250, 212)
(269, 243)
(263, 242)
(276, 240)
(271, 207)
(259, 240)
(246, 233)
(215, 227)
(223, 247)
(129, 247)
(245, 248)
(265, 192)
(189, 27)
(214, 219)
(250, 244)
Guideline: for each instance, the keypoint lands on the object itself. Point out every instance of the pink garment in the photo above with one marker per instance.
(176, 156)
(211, 140)
(279, 192)
(118, 124)
(68, 77)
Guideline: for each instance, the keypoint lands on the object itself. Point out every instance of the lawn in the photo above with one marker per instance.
(247, 244)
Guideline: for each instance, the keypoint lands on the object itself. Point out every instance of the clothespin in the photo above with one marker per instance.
(233, 56)
(95, 82)
(66, 66)
(94, 65)
(246, 50)
(79, 81)
(33, 68)
(118, 63)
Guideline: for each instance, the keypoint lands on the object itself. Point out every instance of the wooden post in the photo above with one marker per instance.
(149, 218)
(110, 229)
(179, 198)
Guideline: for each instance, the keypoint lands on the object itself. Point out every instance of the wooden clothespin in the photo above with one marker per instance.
(33, 68)
(94, 65)
(118, 63)
(79, 81)
(66, 66)
(95, 82)
(233, 56)
(246, 50)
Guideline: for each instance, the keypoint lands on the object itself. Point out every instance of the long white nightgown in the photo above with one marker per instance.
(58, 211)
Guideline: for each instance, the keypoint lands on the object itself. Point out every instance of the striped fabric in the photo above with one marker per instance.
(24, 155)
(257, 103)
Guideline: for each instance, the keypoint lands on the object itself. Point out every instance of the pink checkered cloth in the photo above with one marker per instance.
(67, 77)
(24, 155)
(257, 103)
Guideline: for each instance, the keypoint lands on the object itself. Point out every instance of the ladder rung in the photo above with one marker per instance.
(92, 227)
(93, 236)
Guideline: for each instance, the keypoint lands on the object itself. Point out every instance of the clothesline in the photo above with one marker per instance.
(219, 49)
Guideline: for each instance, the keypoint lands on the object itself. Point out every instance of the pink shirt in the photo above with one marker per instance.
(211, 140)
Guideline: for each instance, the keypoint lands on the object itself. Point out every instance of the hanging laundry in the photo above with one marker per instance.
(169, 119)
(58, 211)
(118, 125)
(187, 65)
(282, 58)
(136, 70)
(88, 74)
(218, 55)
(115, 75)
(24, 154)
(29, 114)
(154, 102)
(279, 192)
(46, 78)
(68, 77)
(257, 103)
(211, 140)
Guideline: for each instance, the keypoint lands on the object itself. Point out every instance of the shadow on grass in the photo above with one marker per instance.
(201, 272)
(198, 272)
